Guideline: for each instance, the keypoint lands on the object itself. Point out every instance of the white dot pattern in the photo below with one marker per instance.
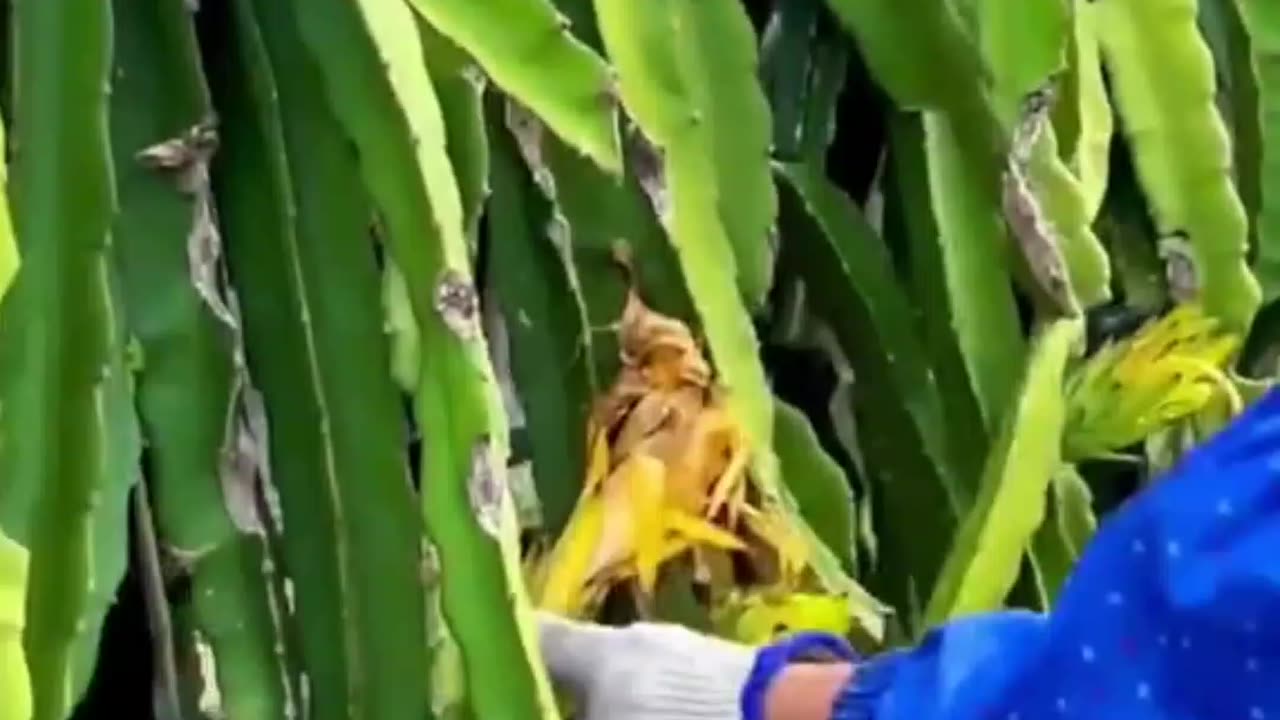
(1173, 610)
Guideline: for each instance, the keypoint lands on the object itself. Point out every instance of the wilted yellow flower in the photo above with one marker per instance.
(668, 474)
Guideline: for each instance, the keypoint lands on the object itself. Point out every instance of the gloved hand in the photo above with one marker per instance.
(646, 671)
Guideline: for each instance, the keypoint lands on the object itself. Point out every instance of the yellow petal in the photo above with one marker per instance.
(730, 481)
(598, 462)
(698, 530)
(568, 564)
(706, 445)
(738, 502)
(651, 413)
(617, 533)
(644, 480)
(775, 532)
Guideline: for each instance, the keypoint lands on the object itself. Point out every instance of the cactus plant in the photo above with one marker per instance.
(852, 315)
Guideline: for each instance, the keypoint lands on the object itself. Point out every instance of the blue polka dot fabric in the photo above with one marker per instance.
(1173, 612)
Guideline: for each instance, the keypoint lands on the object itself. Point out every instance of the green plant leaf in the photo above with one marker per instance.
(296, 223)
(1068, 525)
(895, 39)
(545, 324)
(1025, 45)
(901, 433)
(526, 47)
(979, 293)
(1125, 229)
(1262, 21)
(1075, 509)
(987, 553)
(911, 231)
(1087, 150)
(9, 261)
(1162, 82)
(687, 75)
(580, 16)
(803, 62)
(185, 394)
(1067, 208)
(601, 212)
(822, 495)
(460, 87)
(68, 438)
(382, 96)
(920, 52)
(1237, 97)
(924, 58)
(108, 540)
(785, 63)
(15, 681)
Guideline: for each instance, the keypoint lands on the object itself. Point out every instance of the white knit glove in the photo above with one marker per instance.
(646, 671)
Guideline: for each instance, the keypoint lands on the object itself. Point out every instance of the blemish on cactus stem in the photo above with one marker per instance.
(484, 489)
(458, 305)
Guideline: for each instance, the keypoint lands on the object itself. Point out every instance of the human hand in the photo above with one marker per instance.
(646, 671)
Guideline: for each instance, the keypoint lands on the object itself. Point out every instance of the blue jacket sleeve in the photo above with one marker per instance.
(1172, 613)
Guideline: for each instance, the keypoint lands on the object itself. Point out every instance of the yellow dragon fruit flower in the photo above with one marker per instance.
(1169, 370)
